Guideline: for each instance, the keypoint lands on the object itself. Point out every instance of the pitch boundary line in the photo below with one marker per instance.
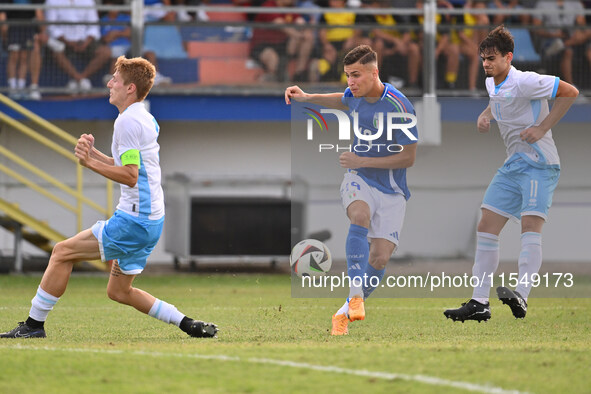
(425, 379)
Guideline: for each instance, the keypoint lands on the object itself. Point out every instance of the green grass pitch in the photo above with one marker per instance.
(271, 343)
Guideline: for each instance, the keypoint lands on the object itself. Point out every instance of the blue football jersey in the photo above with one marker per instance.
(371, 118)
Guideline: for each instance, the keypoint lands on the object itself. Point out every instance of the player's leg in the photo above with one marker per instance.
(81, 247)
(120, 289)
(486, 258)
(130, 250)
(384, 232)
(502, 201)
(380, 251)
(356, 198)
(357, 254)
(529, 263)
(357, 247)
(538, 187)
(486, 262)
(530, 258)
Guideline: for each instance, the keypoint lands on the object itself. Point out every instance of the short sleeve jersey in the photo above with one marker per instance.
(136, 128)
(370, 115)
(519, 102)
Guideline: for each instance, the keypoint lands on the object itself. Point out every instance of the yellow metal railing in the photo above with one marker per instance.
(77, 192)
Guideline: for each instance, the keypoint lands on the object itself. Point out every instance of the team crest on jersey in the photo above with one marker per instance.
(376, 121)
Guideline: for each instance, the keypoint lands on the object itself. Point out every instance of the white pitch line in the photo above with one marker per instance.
(431, 380)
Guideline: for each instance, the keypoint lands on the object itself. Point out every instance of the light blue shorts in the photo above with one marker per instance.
(520, 189)
(128, 239)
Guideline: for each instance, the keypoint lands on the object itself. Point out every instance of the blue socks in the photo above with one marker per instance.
(373, 279)
(357, 250)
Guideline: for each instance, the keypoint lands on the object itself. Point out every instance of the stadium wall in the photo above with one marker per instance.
(447, 182)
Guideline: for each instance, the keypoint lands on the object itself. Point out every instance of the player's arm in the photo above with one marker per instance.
(404, 159)
(566, 95)
(329, 100)
(93, 152)
(100, 156)
(484, 118)
(127, 174)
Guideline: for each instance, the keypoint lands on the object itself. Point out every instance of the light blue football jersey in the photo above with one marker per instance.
(519, 102)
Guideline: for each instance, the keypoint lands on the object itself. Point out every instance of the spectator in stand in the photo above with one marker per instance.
(309, 18)
(117, 37)
(563, 32)
(248, 3)
(82, 41)
(509, 5)
(479, 21)
(154, 12)
(269, 46)
(335, 42)
(388, 41)
(445, 45)
(469, 39)
(24, 50)
(587, 5)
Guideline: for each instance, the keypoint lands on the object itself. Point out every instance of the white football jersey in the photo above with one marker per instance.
(136, 128)
(519, 102)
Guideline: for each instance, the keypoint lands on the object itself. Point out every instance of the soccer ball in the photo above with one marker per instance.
(310, 257)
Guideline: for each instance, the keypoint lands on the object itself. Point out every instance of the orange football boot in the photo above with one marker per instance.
(339, 325)
(356, 309)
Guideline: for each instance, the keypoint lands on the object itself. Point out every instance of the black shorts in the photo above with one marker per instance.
(21, 37)
(88, 54)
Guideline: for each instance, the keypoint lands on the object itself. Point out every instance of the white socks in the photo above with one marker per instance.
(530, 261)
(42, 304)
(344, 309)
(166, 312)
(486, 262)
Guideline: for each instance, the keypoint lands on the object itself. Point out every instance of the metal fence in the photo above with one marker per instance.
(222, 49)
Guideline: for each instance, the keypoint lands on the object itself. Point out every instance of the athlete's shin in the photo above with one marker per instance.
(57, 274)
(166, 312)
(530, 261)
(486, 262)
(373, 278)
(357, 250)
(42, 304)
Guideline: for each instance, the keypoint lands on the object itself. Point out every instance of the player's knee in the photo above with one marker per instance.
(379, 262)
(359, 218)
(117, 295)
(485, 226)
(60, 252)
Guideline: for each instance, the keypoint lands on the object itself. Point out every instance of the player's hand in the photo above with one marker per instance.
(483, 124)
(83, 148)
(294, 92)
(532, 134)
(89, 138)
(349, 160)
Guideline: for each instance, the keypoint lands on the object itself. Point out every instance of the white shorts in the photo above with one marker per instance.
(386, 210)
